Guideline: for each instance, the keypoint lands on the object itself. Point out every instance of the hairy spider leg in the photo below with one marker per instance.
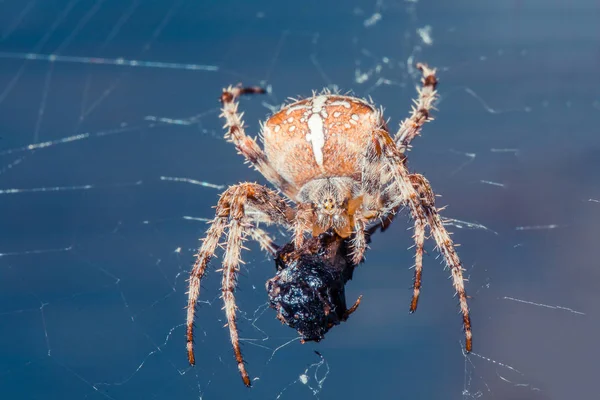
(246, 145)
(411, 127)
(373, 178)
(419, 238)
(239, 209)
(422, 207)
(372, 182)
(447, 247)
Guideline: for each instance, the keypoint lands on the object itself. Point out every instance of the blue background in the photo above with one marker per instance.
(93, 278)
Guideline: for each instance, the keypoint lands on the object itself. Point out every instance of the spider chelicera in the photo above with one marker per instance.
(334, 157)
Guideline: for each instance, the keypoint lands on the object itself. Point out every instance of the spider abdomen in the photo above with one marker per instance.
(322, 136)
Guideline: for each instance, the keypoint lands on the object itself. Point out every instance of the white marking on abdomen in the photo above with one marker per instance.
(298, 107)
(316, 129)
(318, 103)
(316, 136)
(340, 103)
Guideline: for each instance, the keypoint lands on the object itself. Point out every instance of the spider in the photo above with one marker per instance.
(334, 157)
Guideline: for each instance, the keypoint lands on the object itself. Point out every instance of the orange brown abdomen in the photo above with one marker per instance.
(318, 137)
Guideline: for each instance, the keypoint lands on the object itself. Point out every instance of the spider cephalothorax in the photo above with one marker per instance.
(331, 203)
(334, 157)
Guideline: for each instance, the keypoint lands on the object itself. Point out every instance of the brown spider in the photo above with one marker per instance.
(334, 157)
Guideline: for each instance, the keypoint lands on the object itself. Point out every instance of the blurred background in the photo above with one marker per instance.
(112, 155)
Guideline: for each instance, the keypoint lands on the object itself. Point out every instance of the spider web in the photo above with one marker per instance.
(111, 157)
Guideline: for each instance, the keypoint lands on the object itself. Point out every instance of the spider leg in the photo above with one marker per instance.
(302, 223)
(231, 261)
(352, 309)
(367, 206)
(203, 256)
(264, 240)
(359, 241)
(347, 313)
(419, 238)
(411, 126)
(386, 219)
(239, 209)
(246, 145)
(447, 247)
(421, 204)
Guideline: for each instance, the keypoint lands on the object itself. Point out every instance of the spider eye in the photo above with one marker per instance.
(328, 204)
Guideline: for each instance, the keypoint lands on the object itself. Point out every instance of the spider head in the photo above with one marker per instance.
(308, 290)
(333, 202)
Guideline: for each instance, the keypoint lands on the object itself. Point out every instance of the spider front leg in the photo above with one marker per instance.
(240, 208)
(411, 126)
(422, 208)
(246, 145)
